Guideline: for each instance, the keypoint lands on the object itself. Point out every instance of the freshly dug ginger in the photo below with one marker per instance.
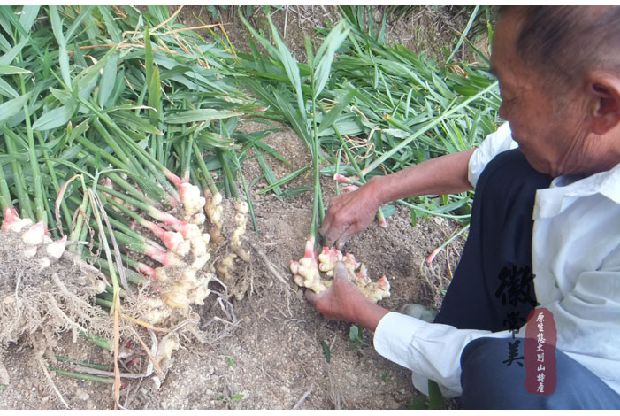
(306, 272)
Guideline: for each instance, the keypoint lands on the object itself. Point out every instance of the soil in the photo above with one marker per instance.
(271, 350)
(272, 356)
(421, 28)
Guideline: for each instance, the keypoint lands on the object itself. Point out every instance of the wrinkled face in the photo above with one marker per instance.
(548, 127)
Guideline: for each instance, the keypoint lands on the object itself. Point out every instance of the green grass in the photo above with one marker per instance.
(378, 110)
(96, 93)
(111, 92)
(356, 337)
(231, 362)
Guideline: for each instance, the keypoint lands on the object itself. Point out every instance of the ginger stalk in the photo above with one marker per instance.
(214, 210)
(241, 222)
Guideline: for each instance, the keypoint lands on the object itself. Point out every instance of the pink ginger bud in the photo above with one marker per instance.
(10, 216)
(166, 258)
(362, 275)
(381, 219)
(146, 270)
(383, 283)
(431, 257)
(309, 249)
(56, 248)
(154, 228)
(341, 178)
(176, 181)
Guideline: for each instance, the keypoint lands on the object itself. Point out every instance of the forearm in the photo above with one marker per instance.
(443, 175)
(369, 315)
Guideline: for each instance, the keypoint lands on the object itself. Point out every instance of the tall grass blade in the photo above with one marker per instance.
(463, 36)
(108, 81)
(63, 56)
(203, 115)
(12, 107)
(10, 70)
(325, 55)
(54, 118)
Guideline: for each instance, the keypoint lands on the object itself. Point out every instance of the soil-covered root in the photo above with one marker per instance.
(232, 267)
(42, 296)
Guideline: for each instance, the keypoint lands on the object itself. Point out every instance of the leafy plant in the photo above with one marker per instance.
(237, 397)
(295, 99)
(99, 106)
(327, 352)
(434, 401)
(231, 362)
(356, 337)
(380, 109)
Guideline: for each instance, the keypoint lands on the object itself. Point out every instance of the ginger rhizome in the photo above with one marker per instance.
(162, 246)
(43, 289)
(182, 269)
(307, 272)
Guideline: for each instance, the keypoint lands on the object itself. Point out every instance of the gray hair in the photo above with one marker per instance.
(566, 42)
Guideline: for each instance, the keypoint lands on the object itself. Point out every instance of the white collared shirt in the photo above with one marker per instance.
(576, 263)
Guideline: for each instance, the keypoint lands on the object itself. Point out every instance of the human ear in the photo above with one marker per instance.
(604, 90)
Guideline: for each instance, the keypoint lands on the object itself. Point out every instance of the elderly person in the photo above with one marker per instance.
(545, 228)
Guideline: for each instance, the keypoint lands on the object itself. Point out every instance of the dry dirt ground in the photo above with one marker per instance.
(422, 28)
(270, 350)
(272, 357)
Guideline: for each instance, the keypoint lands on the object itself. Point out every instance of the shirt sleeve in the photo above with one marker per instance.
(433, 351)
(430, 351)
(493, 144)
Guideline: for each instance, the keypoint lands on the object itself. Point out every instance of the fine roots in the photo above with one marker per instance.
(46, 291)
(37, 303)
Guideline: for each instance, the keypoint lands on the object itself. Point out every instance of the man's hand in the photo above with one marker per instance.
(349, 214)
(344, 302)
